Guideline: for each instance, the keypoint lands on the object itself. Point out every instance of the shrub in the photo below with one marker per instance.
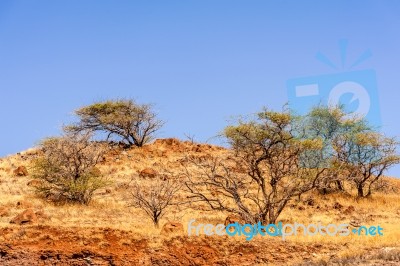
(67, 168)
(155, 197)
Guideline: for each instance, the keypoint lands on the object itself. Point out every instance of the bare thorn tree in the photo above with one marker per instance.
(155, 197)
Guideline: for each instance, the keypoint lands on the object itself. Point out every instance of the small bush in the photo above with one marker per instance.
(67, 168)
(155, 198)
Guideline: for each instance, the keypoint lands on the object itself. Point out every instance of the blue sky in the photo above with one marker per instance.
(200, 62)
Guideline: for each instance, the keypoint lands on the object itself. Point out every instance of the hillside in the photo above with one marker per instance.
(111, 232)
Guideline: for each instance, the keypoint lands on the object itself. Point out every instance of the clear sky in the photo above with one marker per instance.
(200, 62)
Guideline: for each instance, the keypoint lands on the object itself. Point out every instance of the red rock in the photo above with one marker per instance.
(26, 217)
(168, 141)
(34, 183)
(24, 204)
(172, 228)
(21, 171)
(148, 173)
(233, 218)
(349, 210)
(337, 206)
(41, 214)
(4, 211)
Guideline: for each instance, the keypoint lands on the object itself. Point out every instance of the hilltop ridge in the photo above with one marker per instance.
(110, 232)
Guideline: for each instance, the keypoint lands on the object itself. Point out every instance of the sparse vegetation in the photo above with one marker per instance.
(134, 123)
(273, 159)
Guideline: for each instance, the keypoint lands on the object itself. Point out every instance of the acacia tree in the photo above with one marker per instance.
(366, 156)
(67, 168)
(264, 172)
(134, 123)
(328, 123)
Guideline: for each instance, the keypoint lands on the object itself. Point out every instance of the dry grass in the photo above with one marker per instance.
(110, 206)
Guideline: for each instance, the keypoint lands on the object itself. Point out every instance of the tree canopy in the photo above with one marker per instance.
(134, 123)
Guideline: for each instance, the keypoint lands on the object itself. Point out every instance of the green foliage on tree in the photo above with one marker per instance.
(278, 156)
(366, 156)
(134, 123)
(265, 172)
(353, 150)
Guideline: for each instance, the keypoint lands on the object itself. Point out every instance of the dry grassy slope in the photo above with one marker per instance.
(108, 232)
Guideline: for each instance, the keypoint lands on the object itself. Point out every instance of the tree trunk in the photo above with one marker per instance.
(360, 191)
(339, 185)
(156, 223)
(324, 191)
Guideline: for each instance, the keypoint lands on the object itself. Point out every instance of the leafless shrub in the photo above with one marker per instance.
(191, 138)
(155, 197)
